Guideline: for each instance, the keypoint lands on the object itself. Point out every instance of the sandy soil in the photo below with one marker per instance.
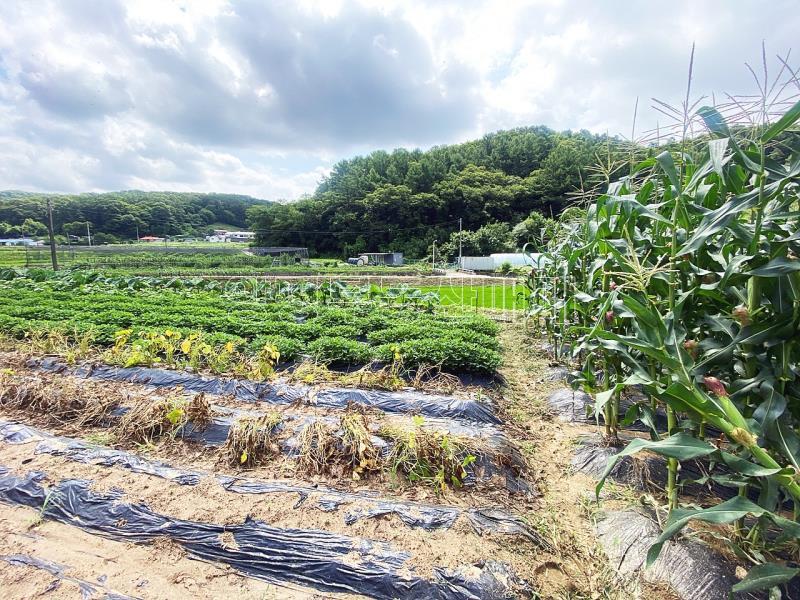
(576, 567)
(156, 572)
(209, 502)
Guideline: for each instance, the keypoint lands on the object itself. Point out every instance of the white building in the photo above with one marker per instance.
(221, 236)
(241, 236)
(495, 261)
(518, 259)
(20, 242)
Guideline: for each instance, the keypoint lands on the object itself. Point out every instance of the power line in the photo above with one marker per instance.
(357, 232)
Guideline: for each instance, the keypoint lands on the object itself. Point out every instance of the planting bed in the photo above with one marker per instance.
(73, 454)
(333, 324)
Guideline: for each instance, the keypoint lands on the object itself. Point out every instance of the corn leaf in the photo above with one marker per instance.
(681, 446)
(777, 267)
(667, 164)
(788, 119)
(766, 576)
(726, 512)
(751, 335)
(717, 220)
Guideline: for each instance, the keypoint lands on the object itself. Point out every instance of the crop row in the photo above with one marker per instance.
(684, 281)
(352, 335)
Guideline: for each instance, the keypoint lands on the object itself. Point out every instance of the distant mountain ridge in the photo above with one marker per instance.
(121, 216)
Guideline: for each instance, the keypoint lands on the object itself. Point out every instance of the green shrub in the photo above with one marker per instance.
(477, 323)
(451, 353)
(305, 331)
(345, 331)
(339, 350)
(289, 348)
(415, 331)
(332, 316)
(505, 267)
(220, 339)
(377, 320)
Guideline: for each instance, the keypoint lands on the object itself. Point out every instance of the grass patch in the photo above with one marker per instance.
(100, 438)
(505, 296)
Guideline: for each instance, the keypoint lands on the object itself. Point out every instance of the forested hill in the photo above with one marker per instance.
(404, 200)
(115, 216)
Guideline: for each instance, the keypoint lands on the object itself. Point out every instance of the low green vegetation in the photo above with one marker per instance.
(206, 325)
(428, 456)
(684, 281)
(185, 259)
(501, 295)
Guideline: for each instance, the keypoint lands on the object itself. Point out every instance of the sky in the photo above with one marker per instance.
(263, 97)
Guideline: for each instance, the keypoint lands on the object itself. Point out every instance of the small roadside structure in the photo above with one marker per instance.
(151, 239)
(384, 259)
(241, 236)
(495, 261)
(476, 263)
(283, 255)
(221, 236)
(20, 242)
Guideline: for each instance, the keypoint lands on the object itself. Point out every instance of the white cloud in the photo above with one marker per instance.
(261, 98)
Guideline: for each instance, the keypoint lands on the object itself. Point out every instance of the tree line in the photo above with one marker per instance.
(120, 216)
(404, 200)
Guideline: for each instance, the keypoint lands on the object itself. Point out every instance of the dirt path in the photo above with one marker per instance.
(576, 567)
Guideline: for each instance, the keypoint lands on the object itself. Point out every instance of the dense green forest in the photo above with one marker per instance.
(504, 187)
(116, 216)
(404, 200)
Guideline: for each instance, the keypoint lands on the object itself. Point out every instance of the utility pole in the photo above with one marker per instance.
(88, 233)
(26, 248)
(433, 259)
(52, 237)
(138, 241)
(459, 244)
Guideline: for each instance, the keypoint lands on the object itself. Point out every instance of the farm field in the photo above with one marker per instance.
(498, 296)
(144, 326)
(405, 428)
(580, 382)
(178, 390)
(388, 482)
(183, 259)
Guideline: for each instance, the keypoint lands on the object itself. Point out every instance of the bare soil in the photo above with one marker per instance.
(569, 565)
(209, 502)
(181, 452)
(576, 566)
(160, 571)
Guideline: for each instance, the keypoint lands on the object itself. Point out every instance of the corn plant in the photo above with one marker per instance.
(683, 279)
